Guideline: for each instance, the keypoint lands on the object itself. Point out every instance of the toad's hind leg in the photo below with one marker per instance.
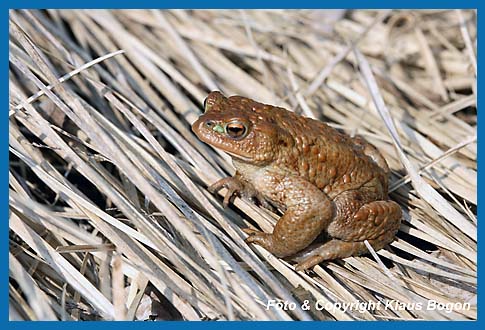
(377, 222)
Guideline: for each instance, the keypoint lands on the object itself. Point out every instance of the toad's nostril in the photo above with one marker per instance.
(209, 124)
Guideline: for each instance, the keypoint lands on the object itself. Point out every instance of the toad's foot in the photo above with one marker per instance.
(333, 249)
(235, 186)
(251, 231)
(259, 237)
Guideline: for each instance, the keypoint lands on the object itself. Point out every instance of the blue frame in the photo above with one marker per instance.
(194, 4)
(9, 4)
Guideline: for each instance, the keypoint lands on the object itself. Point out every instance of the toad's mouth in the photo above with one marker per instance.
(238, 156)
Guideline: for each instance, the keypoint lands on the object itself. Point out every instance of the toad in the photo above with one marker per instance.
(327, 183)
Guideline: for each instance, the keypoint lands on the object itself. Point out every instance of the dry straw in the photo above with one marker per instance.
(109, 213)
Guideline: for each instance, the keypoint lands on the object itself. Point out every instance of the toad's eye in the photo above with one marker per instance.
(236, 129)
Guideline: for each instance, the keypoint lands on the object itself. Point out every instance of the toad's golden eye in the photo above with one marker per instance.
(236, 129)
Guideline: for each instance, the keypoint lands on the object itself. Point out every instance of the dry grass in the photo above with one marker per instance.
(109, 213)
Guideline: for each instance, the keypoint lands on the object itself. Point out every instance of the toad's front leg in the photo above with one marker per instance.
(308, 212)
(236, 185)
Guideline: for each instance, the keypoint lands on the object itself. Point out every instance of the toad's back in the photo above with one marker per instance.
(332, 161)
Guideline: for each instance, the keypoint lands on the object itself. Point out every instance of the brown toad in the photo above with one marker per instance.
(327, 182)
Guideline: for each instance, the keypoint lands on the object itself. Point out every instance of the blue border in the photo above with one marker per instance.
(5, 5)
(255, 325)
(480, 180)
(4, 163)
(196, 4)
